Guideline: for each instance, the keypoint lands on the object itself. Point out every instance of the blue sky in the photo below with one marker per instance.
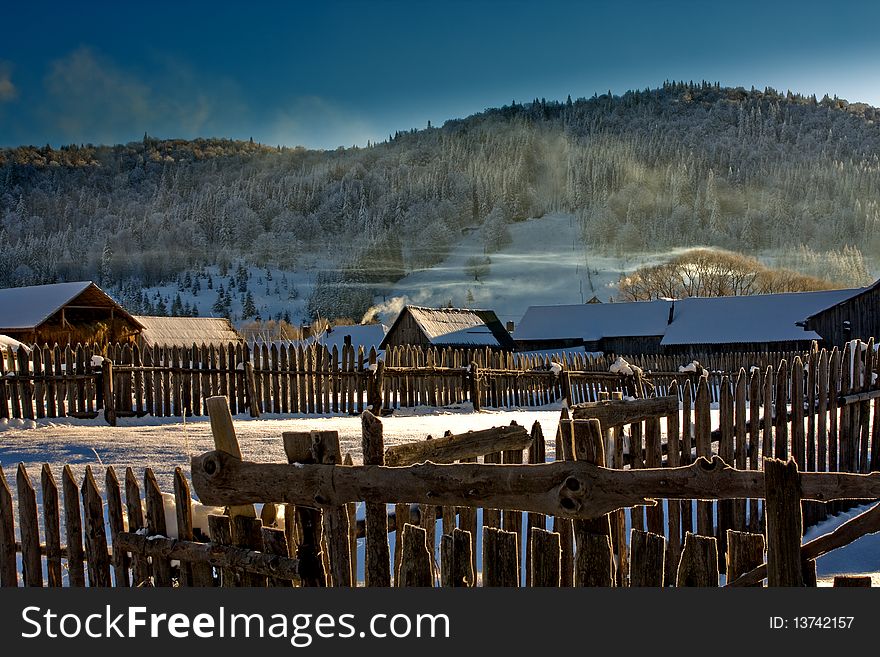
(325, 74)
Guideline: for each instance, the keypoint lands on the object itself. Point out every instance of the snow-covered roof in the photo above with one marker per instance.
(593, 321)
(477, 336)
(28, 307)
(11, 344)
(366, 335)
(186, 331)
(756, 318)
(458, 326)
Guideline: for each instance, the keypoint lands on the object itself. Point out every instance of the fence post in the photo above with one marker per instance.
(594, 559)
(415, 561)
(699, 561)
(500, 558)
(456, 561)
(297, 448)
(107, 387)
(8, 570)
(647, 559)
(377, 570)
(545, 557)
(96, 537)
(253, 401)
(784, 523)
(32, 569)
(474, 386)
(744, 552)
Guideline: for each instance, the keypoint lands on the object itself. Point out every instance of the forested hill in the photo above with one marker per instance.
(685, 164)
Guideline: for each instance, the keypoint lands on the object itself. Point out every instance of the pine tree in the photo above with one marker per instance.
(248, 309)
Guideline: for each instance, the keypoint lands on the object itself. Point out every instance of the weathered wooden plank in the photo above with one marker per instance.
(594, 563)
(461, 446)
(51, 526)
(73, 529)
(500, 558)
(784, 525)
(545, 557)
(323, 447)
(155, 525)
(699, 562)
(415, 566)
(744, 552)
(647, 560)
(28, 523)
(298, 448)
(141, 574)
(97, 556)
(116, 523)
(612, 413)
(226, 441)
(456, 559)
(702, 434)
(377, 570)
(8, 568)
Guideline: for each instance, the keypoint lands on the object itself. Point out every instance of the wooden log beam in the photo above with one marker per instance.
(461, 446)
(853, 529)
(614, 413)
(220, 556)
(569, 489)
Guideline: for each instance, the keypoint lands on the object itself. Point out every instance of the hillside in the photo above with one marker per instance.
(760, 172)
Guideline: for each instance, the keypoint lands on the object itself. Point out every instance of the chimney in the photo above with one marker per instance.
(509, 326)
(671, 313)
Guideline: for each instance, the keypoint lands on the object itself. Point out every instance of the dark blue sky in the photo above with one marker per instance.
(325, 74)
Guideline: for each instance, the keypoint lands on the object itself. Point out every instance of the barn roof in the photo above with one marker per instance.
(458, 327)
(593, 321)
(755, 318)
(23, 308)
(186, 331)
(366, 335)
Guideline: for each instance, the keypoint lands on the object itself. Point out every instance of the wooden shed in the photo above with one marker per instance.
(65, 313)
(856, 316)
(186, 331)
(447, 327)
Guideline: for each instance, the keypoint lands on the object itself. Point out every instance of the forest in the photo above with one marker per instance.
(687, 164)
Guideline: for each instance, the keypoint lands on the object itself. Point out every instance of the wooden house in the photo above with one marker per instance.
(763, 322)
(65, 313)
(186, 331)
(448, 327)
(622, 328)
(760, 322)
(856, 316)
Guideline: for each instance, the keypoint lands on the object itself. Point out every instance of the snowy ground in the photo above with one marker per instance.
(166, 443)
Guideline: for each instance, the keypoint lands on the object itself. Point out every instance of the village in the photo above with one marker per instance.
(715, 395)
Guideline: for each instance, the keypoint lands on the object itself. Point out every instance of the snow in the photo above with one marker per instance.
(11, 344)
(620, 366)
(26, 307)
(556, 368)
(477, 336)
(362, 335)
(690, 367)
(593, 321)
(756, 318)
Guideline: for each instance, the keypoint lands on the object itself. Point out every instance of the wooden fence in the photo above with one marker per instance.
(540, 524)
(74, 381)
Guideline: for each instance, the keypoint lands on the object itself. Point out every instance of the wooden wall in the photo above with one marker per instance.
(862, 312)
